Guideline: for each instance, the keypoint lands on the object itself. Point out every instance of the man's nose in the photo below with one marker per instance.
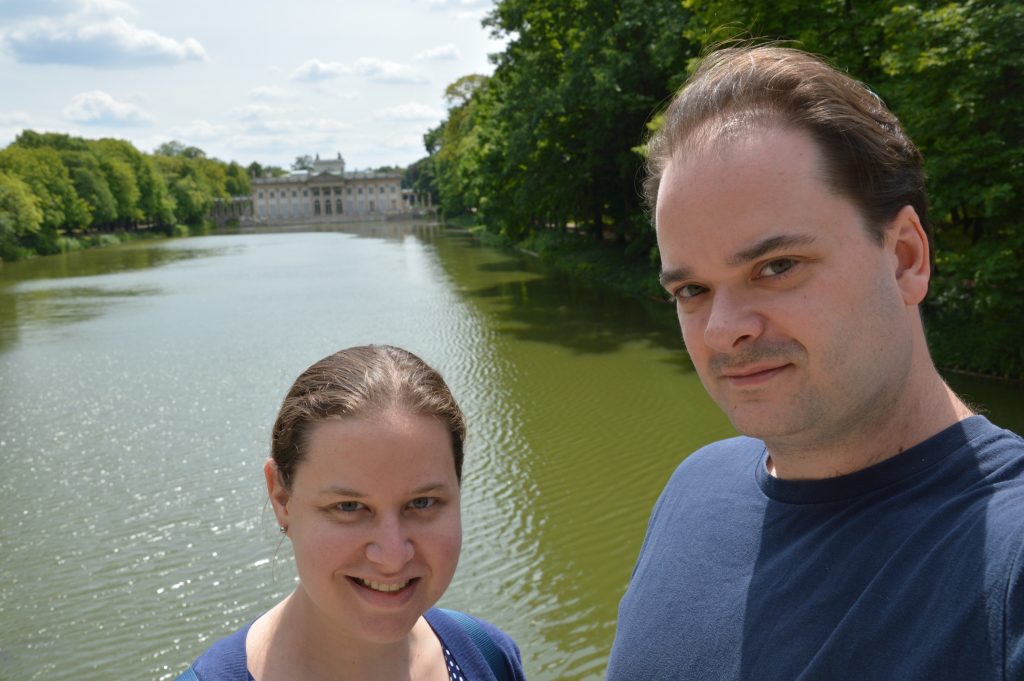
(731, 321)
(390, 547)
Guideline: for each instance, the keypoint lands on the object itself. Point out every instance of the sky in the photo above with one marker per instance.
(263, 80)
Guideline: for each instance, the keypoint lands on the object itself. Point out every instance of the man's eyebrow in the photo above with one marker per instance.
(667, 277)
(749, 254)
(766, 246)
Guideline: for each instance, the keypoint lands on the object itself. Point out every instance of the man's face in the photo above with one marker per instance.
(789, 309)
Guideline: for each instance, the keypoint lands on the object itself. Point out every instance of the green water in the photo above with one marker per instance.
(138, 385)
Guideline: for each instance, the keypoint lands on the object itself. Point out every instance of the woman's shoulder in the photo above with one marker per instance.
(482, 649)
(225, 660)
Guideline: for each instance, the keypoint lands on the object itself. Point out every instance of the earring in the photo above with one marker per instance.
(283, 529)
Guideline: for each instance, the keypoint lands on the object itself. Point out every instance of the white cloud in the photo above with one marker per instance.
(411, 111)
(254, 111)
(14, 118)
(99, 108)
(375, 70)
(461, 4)
(440, 53)
(465, 10)
(80, 39)
(20, 9)
(381, 71)
(270, 93)
(315, 70)
(199, 132)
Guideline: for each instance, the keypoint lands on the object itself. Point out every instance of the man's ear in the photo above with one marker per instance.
(906, 239)
(277, 492)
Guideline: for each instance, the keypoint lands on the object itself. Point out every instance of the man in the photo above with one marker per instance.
(867, 526)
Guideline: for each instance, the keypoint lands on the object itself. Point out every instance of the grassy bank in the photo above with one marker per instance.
(958, 341)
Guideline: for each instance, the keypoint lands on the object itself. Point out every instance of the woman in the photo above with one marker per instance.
(364, 479)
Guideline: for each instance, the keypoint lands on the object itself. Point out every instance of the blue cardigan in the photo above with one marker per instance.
(225, 660)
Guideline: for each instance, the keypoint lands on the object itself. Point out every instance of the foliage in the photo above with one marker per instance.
(547, 141)
(20, 215)
(54, 186)
(552, 141)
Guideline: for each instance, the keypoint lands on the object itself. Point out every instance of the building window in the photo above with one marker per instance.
(316, 206)
(393, 188)
(305, 192)
(371, 206)
(316, 192)
(337, 191)
(348, 190)
(382, 189)
(360, 190)
(271, 194)
(260, 195)
(337, 203)
(394, 204)
(327, 206)
(369, 189)
(294, 193)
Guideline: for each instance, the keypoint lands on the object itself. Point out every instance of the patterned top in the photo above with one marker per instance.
(454, 670)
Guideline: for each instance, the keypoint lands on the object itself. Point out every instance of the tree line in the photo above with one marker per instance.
(54, 187)
(550, 146)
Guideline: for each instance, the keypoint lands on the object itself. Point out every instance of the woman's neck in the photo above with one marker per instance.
(294, 642)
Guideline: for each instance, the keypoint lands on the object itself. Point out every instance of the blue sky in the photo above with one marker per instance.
(256, 81)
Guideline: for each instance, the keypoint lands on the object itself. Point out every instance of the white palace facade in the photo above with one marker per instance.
(328, 193)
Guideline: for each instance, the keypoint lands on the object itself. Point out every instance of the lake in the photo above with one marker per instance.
(138, 385)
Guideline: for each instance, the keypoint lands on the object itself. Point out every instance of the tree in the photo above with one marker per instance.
(46, 175)
(19, 215)
(237, 181)
(176, 148)
(304, 162)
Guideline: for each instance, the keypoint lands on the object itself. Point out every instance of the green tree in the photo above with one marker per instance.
(91, 184)
(237, 182)
(19, 215)
(46, 175)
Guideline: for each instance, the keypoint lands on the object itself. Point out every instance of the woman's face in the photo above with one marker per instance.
(373, 515)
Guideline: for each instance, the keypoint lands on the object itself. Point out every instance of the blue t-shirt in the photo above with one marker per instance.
(225, 660)
(910, 570)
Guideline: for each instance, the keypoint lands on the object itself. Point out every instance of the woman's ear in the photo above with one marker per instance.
(908, 242)
(277, 492)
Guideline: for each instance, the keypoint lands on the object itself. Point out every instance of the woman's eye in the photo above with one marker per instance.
(349, 506)
(777, 267)
(422, 502)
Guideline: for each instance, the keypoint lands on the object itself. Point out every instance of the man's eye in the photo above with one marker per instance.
(689, 291)
(422, 503)
(776, 267)
(349, 506)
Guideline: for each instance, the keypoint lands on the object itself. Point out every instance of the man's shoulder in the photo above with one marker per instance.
(733, 451)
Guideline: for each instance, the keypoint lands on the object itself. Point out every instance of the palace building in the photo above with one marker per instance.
(329, 193)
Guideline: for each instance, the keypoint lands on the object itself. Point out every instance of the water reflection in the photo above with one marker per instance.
(37, 298)
(132, 509)
(544, 307)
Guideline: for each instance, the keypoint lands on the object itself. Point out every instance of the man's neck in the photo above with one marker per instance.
(872, 437)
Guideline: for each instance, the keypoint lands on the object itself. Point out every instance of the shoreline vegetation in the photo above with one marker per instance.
(547, 152)
(603, 266)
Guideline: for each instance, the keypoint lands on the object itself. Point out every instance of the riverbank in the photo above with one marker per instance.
(957, 343)
(81, 241)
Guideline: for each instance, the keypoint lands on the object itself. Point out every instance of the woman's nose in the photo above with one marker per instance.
(390, 548)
